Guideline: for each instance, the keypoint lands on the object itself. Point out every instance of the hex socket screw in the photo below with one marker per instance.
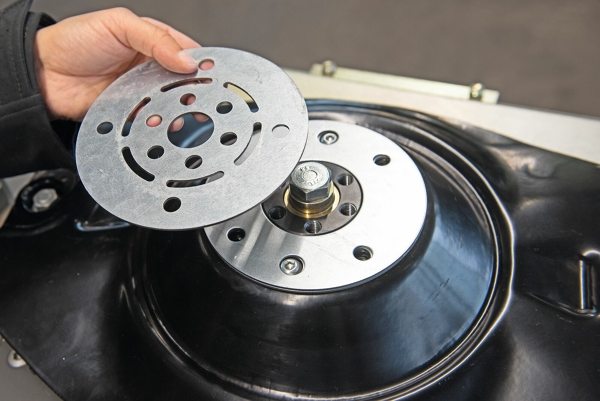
(291, 265)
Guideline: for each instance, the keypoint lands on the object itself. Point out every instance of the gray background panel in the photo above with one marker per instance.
(537, 53)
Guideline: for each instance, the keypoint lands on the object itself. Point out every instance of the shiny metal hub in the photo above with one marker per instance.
(136, 163)
(389, 220)
(347, 200)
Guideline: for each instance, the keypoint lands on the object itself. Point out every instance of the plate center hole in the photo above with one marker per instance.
(190, 130)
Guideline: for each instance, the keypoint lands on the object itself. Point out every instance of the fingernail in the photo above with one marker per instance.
(186, 58)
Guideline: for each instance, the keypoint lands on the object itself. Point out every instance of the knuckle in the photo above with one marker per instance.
(121, 11)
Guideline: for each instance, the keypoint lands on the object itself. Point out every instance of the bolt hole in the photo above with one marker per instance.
(236, 234)
(206, 65)
(362, 253)
(156, 152)
(348, 209)
(281, 131)
(228, 138)
(154, 120)
(172, 204)
(345, 179)
(312, 226)
(193, 162)
(187, 99)
(381, 160)
(224, 107)
(328, 137)
(104, 128)
(277, 212)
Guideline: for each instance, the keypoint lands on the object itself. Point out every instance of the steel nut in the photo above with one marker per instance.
(310, 182)
(43, 199)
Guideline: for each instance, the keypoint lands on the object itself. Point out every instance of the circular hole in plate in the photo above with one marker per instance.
(312, 226)
(154, 120)
(104, 128)
(345, 179)
(228, 138)
(206, 65)
(277, 212)
(172, 204)
(155, 152)
(362, 253)
(187, 99)
(281, 131)
(190, 130)
(381, 160)
(193, 162)
(224, 107)
(236, 234)
(348, 209)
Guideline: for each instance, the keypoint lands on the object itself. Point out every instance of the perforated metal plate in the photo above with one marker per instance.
(146, 175)
(390, 219)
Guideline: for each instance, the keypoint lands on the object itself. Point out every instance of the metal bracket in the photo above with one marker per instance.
(474, 92)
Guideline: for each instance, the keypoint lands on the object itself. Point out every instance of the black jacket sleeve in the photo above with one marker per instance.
(27, 140)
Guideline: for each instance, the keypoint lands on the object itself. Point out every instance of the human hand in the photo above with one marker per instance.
(77, 58)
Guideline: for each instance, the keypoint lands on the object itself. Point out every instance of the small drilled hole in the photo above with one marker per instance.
(281, 131)
(362, 253)
(228, 139)
(104, 128)
(348, 209)
(381, 160)
(345, 179)
(236, 234)
(172, 204)
(312, 227)
(187, 99)
(206, 65)
(277, 212)
(224, 107)
(154, 120)
(155, 152)
(193, 162)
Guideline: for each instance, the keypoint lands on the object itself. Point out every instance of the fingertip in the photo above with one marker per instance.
(176, 125)
(187, 61)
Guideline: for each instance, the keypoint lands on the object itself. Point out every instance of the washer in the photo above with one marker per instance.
(132, 164)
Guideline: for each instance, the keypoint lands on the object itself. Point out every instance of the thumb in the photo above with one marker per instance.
(152, 41)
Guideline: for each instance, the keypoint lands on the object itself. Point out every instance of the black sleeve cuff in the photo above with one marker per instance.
(27, 140)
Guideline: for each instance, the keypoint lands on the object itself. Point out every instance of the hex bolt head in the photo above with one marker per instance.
(43, 199)
(291, 265)
(310, 181)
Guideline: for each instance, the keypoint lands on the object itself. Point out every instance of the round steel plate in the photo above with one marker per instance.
(137, 173)
(389, 220)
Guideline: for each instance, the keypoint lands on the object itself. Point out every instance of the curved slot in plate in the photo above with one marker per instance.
(134, 166)
(250, 146)
(196, 181)
(183, 82)
(252, 105)
(134, 113)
